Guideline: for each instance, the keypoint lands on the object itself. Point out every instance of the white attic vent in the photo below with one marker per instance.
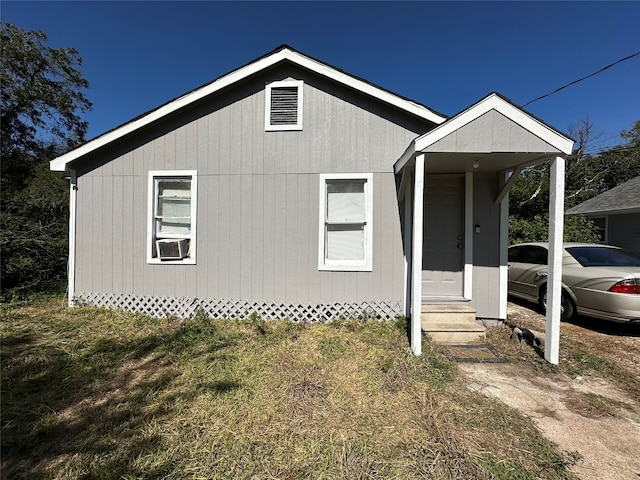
(284, 105)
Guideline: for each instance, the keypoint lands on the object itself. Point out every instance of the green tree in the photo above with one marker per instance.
(536, 229)
(587, 175)
(42, 103)
(622, 162)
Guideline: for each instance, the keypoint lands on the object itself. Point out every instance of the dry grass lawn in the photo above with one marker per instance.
(91, 393)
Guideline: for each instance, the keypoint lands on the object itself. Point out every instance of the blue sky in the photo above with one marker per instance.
(138, 55)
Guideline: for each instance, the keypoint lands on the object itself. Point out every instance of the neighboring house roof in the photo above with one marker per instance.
(625, 198)
(283, 53)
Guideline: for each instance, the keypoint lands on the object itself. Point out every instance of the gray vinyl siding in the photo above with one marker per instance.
(258, 199)
(624, 231)
(486, 257)
(507, 136)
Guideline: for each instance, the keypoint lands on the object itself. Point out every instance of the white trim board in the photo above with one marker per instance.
(504, 247)
(408, 237)
(467, 290)
(71, 263)
(60, 163)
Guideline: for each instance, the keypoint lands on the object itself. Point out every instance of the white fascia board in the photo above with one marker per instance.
(60, 163)
(406, 156)
(364, 87)
(494, 102)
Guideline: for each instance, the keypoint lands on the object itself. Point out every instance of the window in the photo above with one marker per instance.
(601, 226)
(528, 254)
(345, 238)
(171, 228)
(514, 254)
(283, 107)
(603, 257)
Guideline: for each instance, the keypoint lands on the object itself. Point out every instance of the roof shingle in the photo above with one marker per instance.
(625, 198)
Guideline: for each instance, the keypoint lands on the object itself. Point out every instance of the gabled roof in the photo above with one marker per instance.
(625, 198)
(283, 53)
(500, 104)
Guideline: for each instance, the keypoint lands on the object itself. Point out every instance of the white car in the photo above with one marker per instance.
(598, 280)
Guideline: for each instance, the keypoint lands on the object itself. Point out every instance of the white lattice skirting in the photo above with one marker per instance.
(163, 307)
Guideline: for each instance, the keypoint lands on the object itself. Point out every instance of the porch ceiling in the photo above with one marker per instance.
(448, 162)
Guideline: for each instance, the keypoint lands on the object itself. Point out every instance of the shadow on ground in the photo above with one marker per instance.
(64, 397)
(598, 325)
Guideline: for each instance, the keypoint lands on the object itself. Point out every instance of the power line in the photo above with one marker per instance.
(583, 78)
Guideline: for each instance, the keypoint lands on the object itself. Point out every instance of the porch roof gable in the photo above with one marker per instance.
(492, 125)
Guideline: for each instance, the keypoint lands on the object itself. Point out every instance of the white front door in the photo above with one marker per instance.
(443, 237)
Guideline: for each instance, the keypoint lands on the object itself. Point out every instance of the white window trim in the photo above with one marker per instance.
(151, 205)
(267, 108)
(365, 265)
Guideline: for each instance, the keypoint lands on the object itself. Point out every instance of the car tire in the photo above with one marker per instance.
(568, 308)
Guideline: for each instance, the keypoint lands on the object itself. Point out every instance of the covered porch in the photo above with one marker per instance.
(453, 185)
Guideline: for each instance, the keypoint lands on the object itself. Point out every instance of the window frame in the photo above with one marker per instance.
(366, 264)
(267, 109)
(603, 230)
(152, 204)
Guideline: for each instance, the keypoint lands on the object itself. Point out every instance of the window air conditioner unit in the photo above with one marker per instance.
(172, 249)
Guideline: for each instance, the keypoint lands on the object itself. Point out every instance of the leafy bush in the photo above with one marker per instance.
(576, 229)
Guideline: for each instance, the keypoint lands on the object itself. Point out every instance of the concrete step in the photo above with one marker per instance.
(451, 324)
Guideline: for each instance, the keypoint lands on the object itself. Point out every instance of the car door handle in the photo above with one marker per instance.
(539, 275)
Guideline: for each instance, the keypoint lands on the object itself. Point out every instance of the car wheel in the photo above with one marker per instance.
(567, 307)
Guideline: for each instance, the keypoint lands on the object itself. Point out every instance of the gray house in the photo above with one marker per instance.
(290, 188)
(617, 214)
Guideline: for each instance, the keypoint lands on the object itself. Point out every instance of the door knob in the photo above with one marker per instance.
(459, 245)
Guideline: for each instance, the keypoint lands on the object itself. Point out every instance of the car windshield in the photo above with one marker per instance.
(603, 257)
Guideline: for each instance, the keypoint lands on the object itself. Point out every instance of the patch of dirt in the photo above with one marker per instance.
(586, 414)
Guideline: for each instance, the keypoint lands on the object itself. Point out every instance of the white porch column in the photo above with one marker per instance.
(416, 260)
(554, 288)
